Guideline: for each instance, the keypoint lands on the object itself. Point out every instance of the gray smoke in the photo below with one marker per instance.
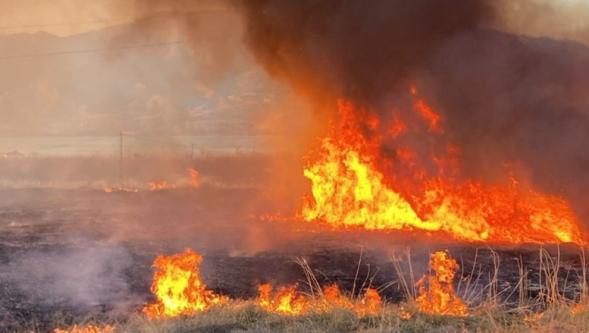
(88, 276)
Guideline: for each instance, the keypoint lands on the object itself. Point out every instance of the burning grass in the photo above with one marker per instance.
(355, 186)
(439, 297)
(437, 303)
(179, 288)
(180, 291)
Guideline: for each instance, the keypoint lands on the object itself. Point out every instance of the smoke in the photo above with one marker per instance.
(559, 19)
(358, 50)
(78, 277)
(518, 100)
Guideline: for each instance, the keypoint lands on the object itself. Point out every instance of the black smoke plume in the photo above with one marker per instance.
(353, 49)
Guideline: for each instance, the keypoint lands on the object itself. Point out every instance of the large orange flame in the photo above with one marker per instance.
(178, 287)
(439, 296)
(349, 190)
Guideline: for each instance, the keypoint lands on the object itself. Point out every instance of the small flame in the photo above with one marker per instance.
(159, 185)
(578, 308)
(287, 301)
(86, 329)
(371, 302)
(194, 178)
(426, 112)
(126, 189)
(178, 286)
(439, 296)
(284, 301)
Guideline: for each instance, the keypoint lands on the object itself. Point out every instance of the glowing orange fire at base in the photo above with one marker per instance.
(349, 190)
(287, 301)
(439, 297)
(195, 180)
(284, 301)
(178, 287)
(112, 189)
(86, 329)
(160, 185)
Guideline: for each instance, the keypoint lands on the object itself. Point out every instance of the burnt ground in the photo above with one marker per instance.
(70, 255)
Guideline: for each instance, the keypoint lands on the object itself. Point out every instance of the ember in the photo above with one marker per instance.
(86, 329)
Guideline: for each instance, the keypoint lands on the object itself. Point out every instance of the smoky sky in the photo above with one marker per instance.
(516, 99)
(355, 49)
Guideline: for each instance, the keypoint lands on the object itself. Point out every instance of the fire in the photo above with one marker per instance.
(194, 178)
(439, 297)
(433, 119)
(193, 181)
(284, 301)
(159, 185)
(371, 302)
(178, 286)
(86, 329)
(179, 290)
(112, 189)
(287, 301)
(349, 189)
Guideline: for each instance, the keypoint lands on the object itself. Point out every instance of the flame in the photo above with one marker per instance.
(194, 181)
(439, 297)
(371, 303)
(194, 178)
(178, 287)
(405, 314)
(287, 301)
(86, 329)
(284, 301)
(578, 308)
(112, 189)
(159, 185)
(349, 189)
(426, 112)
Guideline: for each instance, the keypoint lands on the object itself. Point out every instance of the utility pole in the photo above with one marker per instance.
(121, 158)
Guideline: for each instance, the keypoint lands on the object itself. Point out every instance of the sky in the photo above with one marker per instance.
(164, 90)
(67, 17)
(62, 77)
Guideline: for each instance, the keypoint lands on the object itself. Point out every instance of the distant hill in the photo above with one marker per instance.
(118, 78)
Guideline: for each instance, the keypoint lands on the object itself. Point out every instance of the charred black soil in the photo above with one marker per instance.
(70, 255)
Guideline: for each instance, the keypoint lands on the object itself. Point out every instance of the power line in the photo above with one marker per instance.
(94, 50)
(61, 24)
(119, 20)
